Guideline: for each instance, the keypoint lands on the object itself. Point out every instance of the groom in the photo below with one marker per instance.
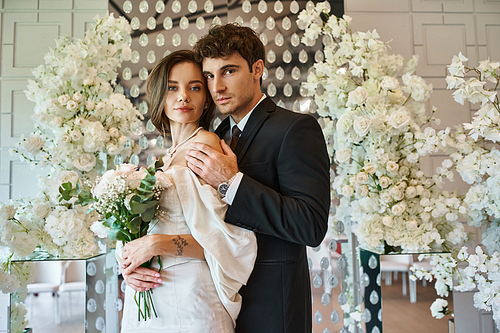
(276, 181)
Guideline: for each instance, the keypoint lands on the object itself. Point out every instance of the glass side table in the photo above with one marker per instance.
(103, 303)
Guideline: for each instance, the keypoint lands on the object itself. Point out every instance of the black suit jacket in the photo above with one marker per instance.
(284, 197)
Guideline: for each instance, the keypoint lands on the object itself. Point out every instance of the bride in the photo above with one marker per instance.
(204, 260)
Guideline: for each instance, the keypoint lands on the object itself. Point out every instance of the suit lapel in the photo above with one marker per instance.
(223, 128)
(257, 118)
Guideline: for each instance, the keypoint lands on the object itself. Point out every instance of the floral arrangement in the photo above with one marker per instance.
(379, 130)
(443, 266)
(482, 273)
(77, 118)
(126, 199)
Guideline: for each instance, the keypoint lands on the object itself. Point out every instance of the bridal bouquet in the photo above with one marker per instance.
(126, 199)
(378, 129)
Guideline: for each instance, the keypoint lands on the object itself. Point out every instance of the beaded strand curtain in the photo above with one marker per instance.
(162, 26)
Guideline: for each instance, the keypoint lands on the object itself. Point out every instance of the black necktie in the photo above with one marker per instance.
(236, 136)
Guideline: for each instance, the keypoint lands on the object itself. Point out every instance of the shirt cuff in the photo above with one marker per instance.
(233, 188)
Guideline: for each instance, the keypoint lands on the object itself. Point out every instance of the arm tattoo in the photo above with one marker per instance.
(180, 243)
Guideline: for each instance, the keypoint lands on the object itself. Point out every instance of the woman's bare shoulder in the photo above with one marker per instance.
(210, 139)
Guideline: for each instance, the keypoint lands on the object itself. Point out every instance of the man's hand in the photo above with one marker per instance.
(142, 279)
(212, 166)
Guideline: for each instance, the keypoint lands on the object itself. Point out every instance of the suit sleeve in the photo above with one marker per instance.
(298, 211)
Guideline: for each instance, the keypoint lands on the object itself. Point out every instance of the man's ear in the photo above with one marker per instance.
(258, 69)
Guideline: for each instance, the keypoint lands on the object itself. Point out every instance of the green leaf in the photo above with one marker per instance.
(137, 208)
(159, 163)
(134, 225)
(148, 215)
(118, 234)
(110, 222)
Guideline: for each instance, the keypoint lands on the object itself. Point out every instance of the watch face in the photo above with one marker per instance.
(223, 188)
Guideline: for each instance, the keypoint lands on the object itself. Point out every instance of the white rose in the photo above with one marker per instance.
(413, 182)
(7, 212)
(396, 193)
(404, 171)
(343, 155)
(67, 176)
(63, 99)
(33, 144)
(79, 121)
(389, 83)
(386, 197)
(90, 105)
(345, 122)
(100, 107)
(387, 220)
(354, 181)
(399, 208)
(78, 97)
(392, 166)
(114, 132)
(411, 192)
(76, 135)
(420, 189)
(357, 96)
(41, 210)
(384, 181)
(58, 121)
(362, 125)
(347, 191)
(362, 177)
(23, 244)
(72, 105)
(65, 138)
(112, 149)
(362, 191)
(370, 168)
(411, 225)
(399, 118)
(85, 162)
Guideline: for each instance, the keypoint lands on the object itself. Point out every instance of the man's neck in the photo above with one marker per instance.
(256, 100)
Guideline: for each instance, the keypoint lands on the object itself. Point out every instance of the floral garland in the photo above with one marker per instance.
(77, 118)
(379, 130)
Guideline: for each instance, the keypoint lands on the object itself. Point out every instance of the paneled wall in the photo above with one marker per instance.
(27, 29)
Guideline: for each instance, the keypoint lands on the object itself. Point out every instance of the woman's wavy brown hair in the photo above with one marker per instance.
(156, 91)
(224, 40)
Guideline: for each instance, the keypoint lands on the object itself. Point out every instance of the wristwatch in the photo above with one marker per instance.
(224, 186)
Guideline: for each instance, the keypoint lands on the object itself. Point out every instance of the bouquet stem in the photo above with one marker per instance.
(144, 299)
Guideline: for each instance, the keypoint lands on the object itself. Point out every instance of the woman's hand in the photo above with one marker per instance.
(137, 252)
(142, 279)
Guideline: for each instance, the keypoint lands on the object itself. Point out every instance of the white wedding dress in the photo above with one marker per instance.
(196, 296)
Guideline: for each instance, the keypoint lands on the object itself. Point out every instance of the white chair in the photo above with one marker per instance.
(47, 280)
(394, 264)
(72, 280)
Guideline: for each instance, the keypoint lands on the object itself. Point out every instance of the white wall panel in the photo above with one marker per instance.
(10, 20)
(450, 112)
(25, 179)
(16, 112)
(21, 4)
(94, 5)
(488, 29)
(487, 6)
(463, 6)
(390, 26)
(376, 6)
(55, 4)
(426, 5)
(82, 22)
